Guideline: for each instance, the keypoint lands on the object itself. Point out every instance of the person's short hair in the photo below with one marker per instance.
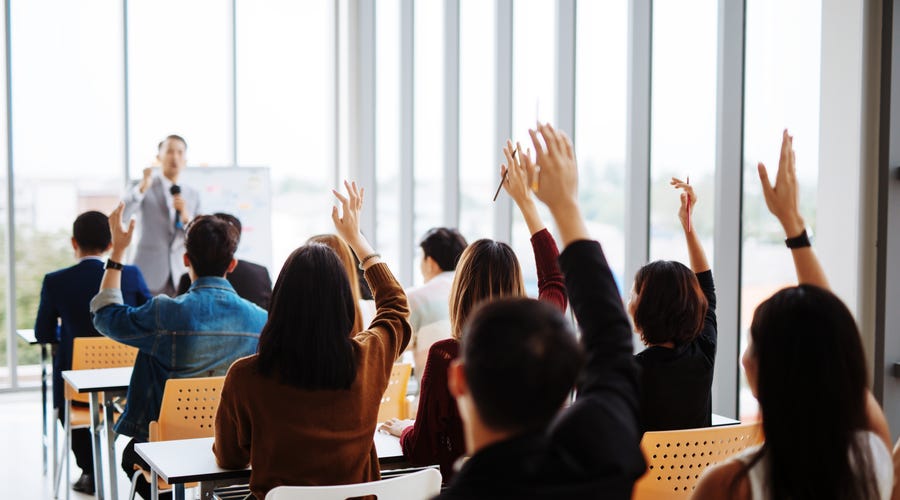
(210, 243)
(445, 245)
(521, 359)
(488, 270)
(91, 232)
(669, 305)
(234, 221)
(173, 137)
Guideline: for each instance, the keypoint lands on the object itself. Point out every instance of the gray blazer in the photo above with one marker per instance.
(160, 247)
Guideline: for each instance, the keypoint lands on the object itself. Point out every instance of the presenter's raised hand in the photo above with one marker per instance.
(346, 223)
(147, 179)
(121, 238)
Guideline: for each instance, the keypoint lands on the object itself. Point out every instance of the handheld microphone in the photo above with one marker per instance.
(175, 190)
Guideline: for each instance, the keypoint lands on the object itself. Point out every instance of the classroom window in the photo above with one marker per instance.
(781, 90)
(68, 122)
(285, 115)
(600, 123)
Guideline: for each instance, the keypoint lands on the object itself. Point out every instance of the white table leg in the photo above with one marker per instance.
(154, 485)
(44, 404)
(110, 445)
(95, 444)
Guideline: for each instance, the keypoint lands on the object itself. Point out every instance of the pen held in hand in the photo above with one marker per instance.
(689, 205)
(503, 179)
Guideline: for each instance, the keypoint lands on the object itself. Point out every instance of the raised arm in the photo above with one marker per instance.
(782, 200)
(699, 263)
(520, 174)
(135, 195)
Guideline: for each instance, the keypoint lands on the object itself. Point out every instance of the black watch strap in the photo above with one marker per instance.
(111, 264)
(800, 241)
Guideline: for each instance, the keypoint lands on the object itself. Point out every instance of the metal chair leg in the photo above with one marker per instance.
(134, 478)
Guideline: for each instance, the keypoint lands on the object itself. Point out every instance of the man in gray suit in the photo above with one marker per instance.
(163, 209)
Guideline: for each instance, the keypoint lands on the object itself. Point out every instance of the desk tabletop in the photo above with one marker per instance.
(27, 336)
(102, 379)
(719, 420)
(189, 460)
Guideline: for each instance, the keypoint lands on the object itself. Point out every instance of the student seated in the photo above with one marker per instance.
(64, 313)
(428, 304)
(674, 311)
(487, 270)
(519, 360)
(198, 334)
(364, 310)
(826, 436)
(303, 411)
(250, 280)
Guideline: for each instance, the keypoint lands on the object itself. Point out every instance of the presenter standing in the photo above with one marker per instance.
(163, 209)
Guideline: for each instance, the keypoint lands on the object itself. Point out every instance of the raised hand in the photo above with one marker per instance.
(145, 182)
(518, 176)
(688, 201)
(556, 179)
(783, 198)
(121, 238)
(346, 223)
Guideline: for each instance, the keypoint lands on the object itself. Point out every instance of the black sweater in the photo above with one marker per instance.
(676, 383)
(592, 449)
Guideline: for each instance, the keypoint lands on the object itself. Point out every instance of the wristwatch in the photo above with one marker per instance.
(800, 241)
(111, 264)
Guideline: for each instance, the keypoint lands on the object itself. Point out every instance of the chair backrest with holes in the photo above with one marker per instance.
(89, 353)
(416, 486)
(393, 402)
(188, 409)
(677, 459)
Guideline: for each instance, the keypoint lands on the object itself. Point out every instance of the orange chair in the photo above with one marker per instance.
(393, 402)
(677, 459)
(88, 353)
(188, 411)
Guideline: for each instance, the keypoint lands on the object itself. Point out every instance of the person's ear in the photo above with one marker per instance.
(187, 261)
(231, 266)
(74, 244)
(456, 379)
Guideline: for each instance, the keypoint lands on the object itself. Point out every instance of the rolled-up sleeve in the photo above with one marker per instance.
(134, 326)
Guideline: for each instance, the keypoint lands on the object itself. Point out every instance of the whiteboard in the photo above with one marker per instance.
(244, 192)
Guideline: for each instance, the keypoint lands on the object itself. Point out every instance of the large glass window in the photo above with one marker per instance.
(387, 131)
(286, 115)
(683, 122)
(180, 74)
(429, 119)
(478, 174)
(781, 90)
(68, 142)
(600, 122)
(534, 98)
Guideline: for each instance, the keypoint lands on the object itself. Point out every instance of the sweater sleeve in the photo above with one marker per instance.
(421, 442)
(709, 334)
(232, 441)
(551, 284)
(390, 326)
(605, 331)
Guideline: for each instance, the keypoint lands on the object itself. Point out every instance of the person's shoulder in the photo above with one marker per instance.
(131, 271)
(246, 364)
(446, 346)
(252, 266)
(723, 481)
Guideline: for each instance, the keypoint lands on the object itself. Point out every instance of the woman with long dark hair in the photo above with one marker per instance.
(826, 436)
(487, 270)
(674, 311)
(303, 410)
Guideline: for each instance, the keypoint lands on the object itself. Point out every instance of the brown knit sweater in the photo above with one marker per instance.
(298, 437)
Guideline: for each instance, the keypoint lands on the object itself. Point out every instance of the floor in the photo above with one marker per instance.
(20, 451)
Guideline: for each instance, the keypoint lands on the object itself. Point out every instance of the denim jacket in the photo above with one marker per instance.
(198, 334)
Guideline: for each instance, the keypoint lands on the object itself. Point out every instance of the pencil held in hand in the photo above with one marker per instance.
(503, 179)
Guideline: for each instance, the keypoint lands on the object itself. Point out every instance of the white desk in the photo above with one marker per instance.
(191, 460)
(109, 381)
(719, 420)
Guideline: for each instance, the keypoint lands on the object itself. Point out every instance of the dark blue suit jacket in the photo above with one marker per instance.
(65, 312)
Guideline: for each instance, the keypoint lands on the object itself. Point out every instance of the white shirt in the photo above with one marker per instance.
(429, 303)
(92, 257)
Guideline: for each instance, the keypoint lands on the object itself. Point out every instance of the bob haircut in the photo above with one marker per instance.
(487, 270)
(669, 305)
(342, 249)
(809, 356)
(307, 342)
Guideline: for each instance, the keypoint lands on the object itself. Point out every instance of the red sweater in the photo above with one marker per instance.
(437, 436)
